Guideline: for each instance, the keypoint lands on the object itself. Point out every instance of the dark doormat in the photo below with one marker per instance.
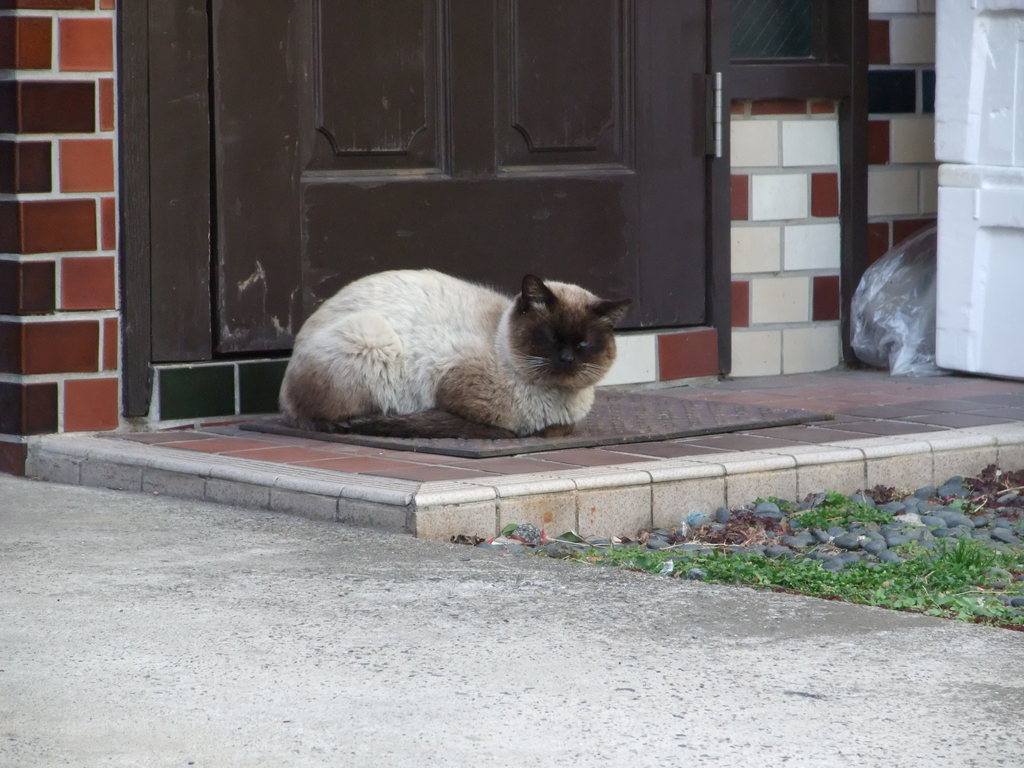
(616, 418)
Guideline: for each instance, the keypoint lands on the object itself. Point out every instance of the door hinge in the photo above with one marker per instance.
(713, 98)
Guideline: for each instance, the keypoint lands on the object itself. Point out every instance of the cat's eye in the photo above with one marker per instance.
(583, 345)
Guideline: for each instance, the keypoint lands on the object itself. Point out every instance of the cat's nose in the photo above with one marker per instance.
(565, 355)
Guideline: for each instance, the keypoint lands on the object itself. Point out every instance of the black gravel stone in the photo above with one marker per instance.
(798, 541)
(926, 492)
(833, 564)
(696, 574)
(875, 547)
(1017, 602)
(776, 551)
(894, 507)
(722, 515)
(1004, 535)
(888, 556)
(896, 539)
(1001, 522)
(562, 548)
(820, 536)
(861, 498)
(1008, 498)
(836, 530)
(934, 521)
(954, 518)
(849, 541)
(768, 509)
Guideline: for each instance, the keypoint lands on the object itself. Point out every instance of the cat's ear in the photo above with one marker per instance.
(535, 295)
(611, 311)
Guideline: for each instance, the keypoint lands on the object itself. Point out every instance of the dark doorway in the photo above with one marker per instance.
(289, 146)
(485, 139)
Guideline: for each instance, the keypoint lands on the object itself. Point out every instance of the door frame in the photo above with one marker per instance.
(837, 70)
(172, 243)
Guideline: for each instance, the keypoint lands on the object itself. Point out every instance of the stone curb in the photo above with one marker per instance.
(594, 501)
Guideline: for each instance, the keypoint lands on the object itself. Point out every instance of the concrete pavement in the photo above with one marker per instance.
(147, 631)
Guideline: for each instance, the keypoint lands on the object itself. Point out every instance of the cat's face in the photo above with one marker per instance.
(562, 334)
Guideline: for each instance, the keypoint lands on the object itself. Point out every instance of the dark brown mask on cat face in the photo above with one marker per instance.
(563, 334)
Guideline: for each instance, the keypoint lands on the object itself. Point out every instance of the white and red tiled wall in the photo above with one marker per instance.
(902, 172)
(785, 196)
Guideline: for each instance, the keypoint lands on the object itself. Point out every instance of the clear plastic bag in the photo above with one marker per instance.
(893, 309)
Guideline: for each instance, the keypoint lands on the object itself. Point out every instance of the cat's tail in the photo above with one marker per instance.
(367, 354)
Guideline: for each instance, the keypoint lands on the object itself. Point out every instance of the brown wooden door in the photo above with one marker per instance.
(486, 138)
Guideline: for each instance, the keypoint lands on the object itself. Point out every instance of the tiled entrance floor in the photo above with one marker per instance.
(895, 431)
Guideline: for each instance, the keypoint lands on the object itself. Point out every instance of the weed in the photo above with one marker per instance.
(951, 580)
(837, 509)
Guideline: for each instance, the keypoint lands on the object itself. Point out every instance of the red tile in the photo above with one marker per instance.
(111, 340)
(27, 287)
(86, 45)
(740, 304)
(48, 107)
(357, 464)
(778, 107)
(25, 42)
(668, 450)
(107, 5)
(28, 409)
(282, 454)
(25, 166)
(87, 283)
(427, 474)
(47, 226)
(12, 458)
(823, 107)
(902, 229)
(220, 444)
(878, 240)
(58, 347)
(90, 405)
(878, 41)
(825, 195)
(87, 165)
(589, 457)
(506, 465)
(740, 442)
(826, 298)
(56, 5)
(739, 190)
(688, 354)
(878, 142)
(106, 88)
(108, 223)
(738, 107)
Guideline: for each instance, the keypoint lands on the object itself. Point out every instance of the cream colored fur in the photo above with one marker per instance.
(386, 343)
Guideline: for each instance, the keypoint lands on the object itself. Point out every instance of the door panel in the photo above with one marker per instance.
(562, 83)
(376, 85)
(486, 138)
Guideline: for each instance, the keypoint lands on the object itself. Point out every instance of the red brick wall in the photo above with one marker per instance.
(59, 323)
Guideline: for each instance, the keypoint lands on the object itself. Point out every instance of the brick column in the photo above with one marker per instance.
(59, 320)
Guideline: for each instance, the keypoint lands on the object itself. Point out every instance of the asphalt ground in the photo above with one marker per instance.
(139, 630)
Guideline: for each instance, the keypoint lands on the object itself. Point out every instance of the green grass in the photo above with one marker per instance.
(837, 509)
(957, 581)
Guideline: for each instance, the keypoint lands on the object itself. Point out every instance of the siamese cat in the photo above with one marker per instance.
(417, 353)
